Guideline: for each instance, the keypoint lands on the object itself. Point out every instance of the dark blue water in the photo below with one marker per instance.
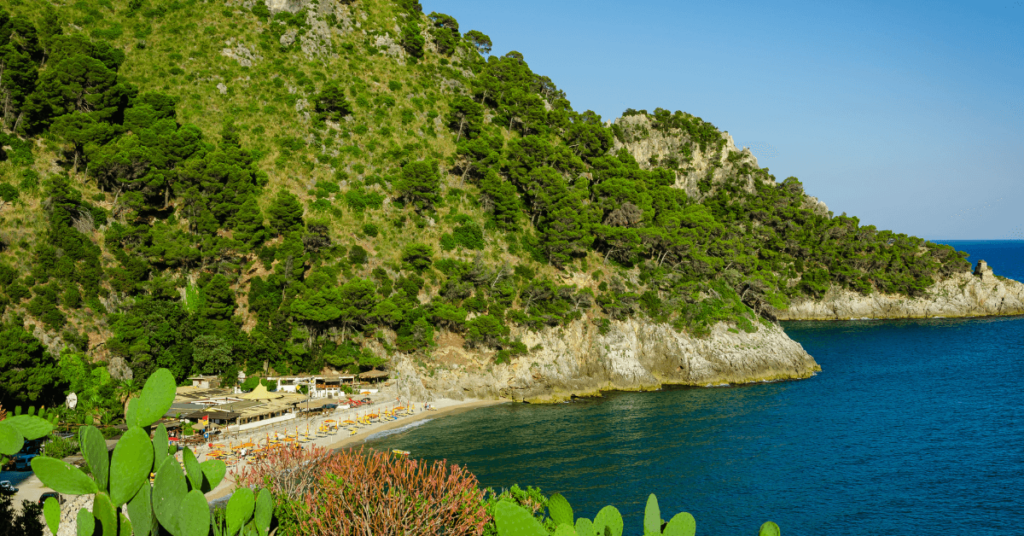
(912, 427)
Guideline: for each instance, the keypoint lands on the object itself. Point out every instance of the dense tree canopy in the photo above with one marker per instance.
(296, 201)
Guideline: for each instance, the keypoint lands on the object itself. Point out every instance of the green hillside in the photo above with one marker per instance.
(210, 188)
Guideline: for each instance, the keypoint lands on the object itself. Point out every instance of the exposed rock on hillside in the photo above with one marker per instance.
(966, 294)
(634, 355)
(647, 144)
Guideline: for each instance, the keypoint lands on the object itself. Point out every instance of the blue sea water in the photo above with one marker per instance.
(912, 427)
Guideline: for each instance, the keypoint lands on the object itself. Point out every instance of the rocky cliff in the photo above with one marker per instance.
(963, 295)
(633, 355)
(715, 162)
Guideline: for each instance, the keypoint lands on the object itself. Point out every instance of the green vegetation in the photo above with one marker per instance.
(174, 502)
(308, 195)
(514, 519)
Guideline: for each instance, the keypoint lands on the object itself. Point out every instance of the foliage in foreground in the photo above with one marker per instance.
(515, 520)
(359, 493)
(174, 503)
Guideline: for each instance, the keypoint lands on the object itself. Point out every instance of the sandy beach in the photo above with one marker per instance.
(31, 488)
(441, 408)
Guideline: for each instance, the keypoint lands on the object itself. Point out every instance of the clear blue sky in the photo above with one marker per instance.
(908, 116)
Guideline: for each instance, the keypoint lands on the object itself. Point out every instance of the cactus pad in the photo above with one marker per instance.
(560, 510)
(652, 516)
(514, 520)
(682, 524)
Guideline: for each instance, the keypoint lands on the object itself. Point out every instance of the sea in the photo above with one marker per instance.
(912, 427)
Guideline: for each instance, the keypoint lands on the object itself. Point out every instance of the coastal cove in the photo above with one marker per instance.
(909, 421)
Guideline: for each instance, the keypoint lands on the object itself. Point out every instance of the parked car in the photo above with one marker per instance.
(330, 406)
(23, 462)
(6, 487)
(48, 494)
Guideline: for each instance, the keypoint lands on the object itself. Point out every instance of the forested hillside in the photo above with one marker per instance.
(221, 186)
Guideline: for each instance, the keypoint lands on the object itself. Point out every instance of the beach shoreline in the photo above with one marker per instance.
(442, 408)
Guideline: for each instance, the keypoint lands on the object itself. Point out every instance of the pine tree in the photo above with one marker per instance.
(285, 213)
(248, 225)
(420, 184)
(331, 104)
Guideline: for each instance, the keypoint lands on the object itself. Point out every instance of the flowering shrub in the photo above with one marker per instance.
(369, 493)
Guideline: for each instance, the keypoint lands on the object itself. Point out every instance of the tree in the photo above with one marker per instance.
(331, 104)
(480, 41)
(77, 83)
(285, 213)
(218, 299)
(465, 116)
(420, 184)
(564, 228)
(18, 75)
(445, 32)
(357, 299)
(502, 199)
(248, 225)
(486, 330)
(418, 256)
(27, 371)
(412, 41)
(80, 129)
(448, 316)
(152, 334)
(212, 354)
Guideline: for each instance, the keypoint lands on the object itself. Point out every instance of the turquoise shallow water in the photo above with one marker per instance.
(913, 427)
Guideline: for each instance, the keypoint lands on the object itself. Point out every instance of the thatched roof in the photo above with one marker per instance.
(261, 393)
(372, 374)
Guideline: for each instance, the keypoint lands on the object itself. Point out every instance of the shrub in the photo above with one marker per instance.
(370, 229)
(357, 255)
(364, 493)
(60, 447)
(418, 256)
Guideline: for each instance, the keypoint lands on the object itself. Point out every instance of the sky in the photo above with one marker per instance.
(909, 116)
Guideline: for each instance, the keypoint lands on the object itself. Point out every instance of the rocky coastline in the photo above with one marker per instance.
(964, 295)
(632, 355)
(579, 360)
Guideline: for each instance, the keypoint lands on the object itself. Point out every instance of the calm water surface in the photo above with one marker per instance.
(913, 427)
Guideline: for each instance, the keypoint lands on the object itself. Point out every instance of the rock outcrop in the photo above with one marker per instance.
(633, 355)
(715, 163)
(963, 295)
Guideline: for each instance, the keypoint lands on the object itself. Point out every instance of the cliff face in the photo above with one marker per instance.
(963, 295)
(634, 355)
(645, 143)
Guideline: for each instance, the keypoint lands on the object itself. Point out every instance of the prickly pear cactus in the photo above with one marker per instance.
(608, 522)
(560, 510)
(652, 517)
(514, 520)
(769, 529)
(681, 524)
(173, 504)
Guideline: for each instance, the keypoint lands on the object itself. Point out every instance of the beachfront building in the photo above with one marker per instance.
(317, 386)
(252, 410)
(205, 382)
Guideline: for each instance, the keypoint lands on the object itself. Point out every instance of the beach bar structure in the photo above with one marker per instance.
(244, 411)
